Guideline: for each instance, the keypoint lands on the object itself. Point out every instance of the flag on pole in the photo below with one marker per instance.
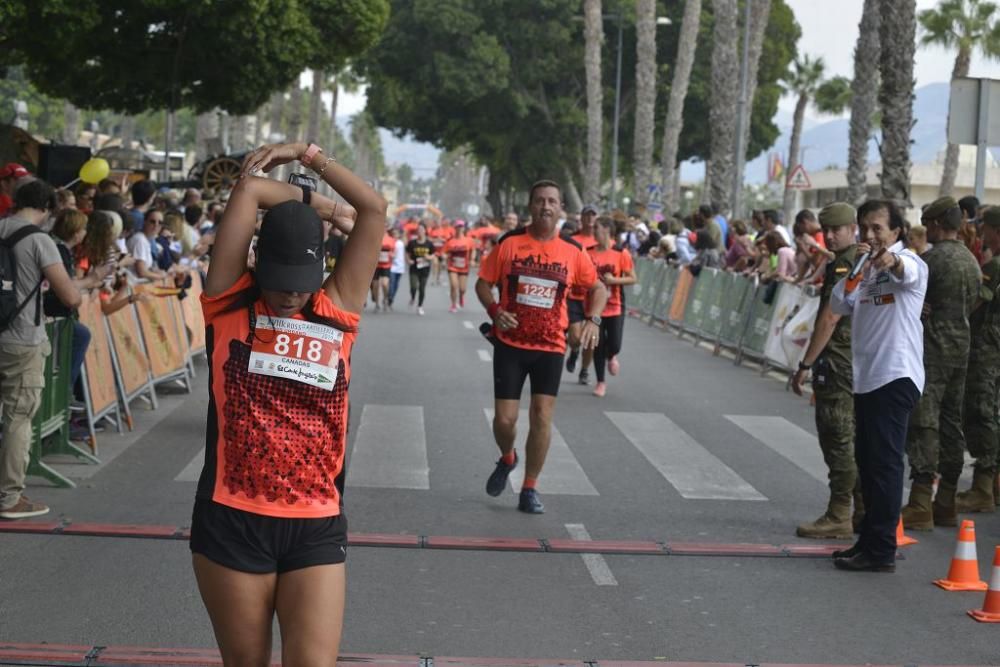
(776, 168)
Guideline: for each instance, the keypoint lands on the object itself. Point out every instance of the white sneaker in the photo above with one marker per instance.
(420, 311)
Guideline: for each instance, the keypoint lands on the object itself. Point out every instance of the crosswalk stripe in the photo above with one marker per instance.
(484, 355)
(390, 449)
(562, 474)
(790, 441)
(468, 325)
(696, 473)
(192, 471)
(595, 563)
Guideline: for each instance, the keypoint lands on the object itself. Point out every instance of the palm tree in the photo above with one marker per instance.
(593, 35)
(315, 105)
(806, 81)
(645, 93)
(964, 25)
(71, 124)
(722, 114)
(864, 100)
(760, 12)
(674, 122)
(898, 29)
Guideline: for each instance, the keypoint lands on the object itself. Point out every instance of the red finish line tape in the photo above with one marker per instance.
(43, 655)
(524, 545)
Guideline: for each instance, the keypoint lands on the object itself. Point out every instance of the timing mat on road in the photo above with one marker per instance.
(539, 545)
(57, 655)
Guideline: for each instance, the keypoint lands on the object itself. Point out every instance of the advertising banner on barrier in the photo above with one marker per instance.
(711, 322)
(759, 327)
(133, 365)
(665, 294)
(166, 354)
(194, 319)
(97, 362)
(642, 271)
(685, 281)
(791, 326)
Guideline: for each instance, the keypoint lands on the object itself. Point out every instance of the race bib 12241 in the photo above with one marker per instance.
(536, 292)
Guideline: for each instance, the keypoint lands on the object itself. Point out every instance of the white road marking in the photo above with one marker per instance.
(596, 565)
(484, 355)
(562, 474)
(793, 443)
(696, 473)
(467, 324)
(192, 471)
(390, 450)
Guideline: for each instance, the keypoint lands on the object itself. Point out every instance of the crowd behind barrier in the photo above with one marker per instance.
(143, 345)
(731, 310)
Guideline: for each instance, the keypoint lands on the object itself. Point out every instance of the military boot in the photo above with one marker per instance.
(917, 514)
(859, 510)
(835, 524)
(979, 497)
(943, 508)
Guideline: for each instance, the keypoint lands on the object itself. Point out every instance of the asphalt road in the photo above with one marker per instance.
(685, 447)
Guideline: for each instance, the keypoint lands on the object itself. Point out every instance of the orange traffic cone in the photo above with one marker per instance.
(963, 575)
(902, 539)
(990, 613)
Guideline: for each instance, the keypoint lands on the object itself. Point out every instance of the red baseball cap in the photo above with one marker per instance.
(13, 169)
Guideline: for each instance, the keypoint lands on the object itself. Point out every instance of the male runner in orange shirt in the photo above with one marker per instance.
(534, 269)
(585, 237)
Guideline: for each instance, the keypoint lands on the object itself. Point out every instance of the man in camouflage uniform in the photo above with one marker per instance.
(982, 383)
(828, 355)
(953, 285)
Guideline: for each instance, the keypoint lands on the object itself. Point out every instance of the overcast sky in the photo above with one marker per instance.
(829, 30)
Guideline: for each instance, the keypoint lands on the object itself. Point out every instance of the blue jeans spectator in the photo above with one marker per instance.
(81, 339)
(393, 286)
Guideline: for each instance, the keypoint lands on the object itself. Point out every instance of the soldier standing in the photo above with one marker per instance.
(828, 356)
(935, 433)
(982, 383)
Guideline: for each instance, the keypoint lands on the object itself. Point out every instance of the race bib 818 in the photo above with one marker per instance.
(297, 350)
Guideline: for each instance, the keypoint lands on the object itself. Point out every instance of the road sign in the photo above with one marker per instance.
(971, 120)
(798, 179)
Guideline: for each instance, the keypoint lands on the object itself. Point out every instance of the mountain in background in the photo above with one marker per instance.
(825, 143)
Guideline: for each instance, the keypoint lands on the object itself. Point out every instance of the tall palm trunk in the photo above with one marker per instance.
(71, 124)
(960, 70)
(295, 112)
(645, 94)
(722, 115)
(593, 36)
(128, 131)
(760, 13)
(674, 122)
(864, 100)
(788, 204)
(238, 133)
(898, 35)
(206, 128)
(315, 105)
(334, 130)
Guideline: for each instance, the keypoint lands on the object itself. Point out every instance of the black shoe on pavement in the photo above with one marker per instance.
(571, 361)
(862, 562)
(584, 377)
(850, 552)
(529, 502)
(498, 479)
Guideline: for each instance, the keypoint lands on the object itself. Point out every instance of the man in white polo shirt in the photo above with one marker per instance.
(884, 300)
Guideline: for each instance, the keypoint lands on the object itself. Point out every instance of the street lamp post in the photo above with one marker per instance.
(618, 99)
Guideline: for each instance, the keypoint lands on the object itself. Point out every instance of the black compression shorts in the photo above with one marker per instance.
(512, 365)
(260, 544)
(575, 309)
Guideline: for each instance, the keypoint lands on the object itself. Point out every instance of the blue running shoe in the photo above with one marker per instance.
(530, 503)
(498, 480)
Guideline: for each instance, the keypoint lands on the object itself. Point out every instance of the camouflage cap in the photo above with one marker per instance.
(992, 216)
(837, 214)
(939, 207)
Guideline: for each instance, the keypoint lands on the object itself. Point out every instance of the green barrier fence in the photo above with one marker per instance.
(698, 303)
(50, 428)
(735, 304)
(643, 269)
(665, 295)
(647, 299)
(711, 321)
(758, 324)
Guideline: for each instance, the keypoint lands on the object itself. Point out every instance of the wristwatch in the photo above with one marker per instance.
(804, 366)
(310, 153)
(596, 319)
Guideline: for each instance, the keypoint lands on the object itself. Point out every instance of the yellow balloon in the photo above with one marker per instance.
(94, 170)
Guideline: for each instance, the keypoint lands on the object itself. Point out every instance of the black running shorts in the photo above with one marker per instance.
(382, 273)
(512, 365)
(575, 309)
(260, 544)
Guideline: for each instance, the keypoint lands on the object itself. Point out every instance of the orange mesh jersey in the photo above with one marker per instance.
(386, 251)
(586, 241)
(274, 446)
(617, 263)
(459, 254)
(534, 278)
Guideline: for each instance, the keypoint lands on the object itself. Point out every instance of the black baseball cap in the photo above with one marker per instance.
(290, 249)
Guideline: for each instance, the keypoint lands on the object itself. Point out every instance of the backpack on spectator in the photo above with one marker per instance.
(9, 307)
